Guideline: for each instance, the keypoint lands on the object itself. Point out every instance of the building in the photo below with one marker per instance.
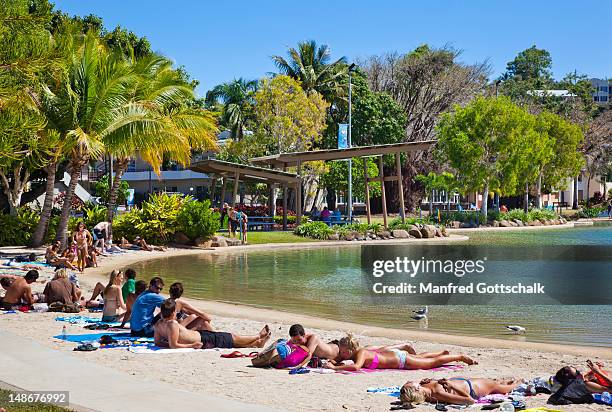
(602, 93)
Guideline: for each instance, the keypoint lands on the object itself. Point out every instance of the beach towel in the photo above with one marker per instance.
(156, 349)
(95, 337)
(8, 312)
(364, 370)
(603, 398)
(84, 320)
(386, 390)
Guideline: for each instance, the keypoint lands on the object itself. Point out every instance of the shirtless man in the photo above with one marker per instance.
(170, 333)
(187, 315)
(331, 350)
(20, 291)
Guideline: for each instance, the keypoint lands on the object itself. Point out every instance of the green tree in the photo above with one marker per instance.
(237, 98)
(336, 177)
(311, 64)
(288, 119)
(533, 65)
(444, 181)
(484, 143)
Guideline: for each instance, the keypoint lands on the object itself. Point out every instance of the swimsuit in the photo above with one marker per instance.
(374, 364)
(402, 355)
(472, 392)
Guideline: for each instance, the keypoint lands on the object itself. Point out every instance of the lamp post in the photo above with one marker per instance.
(351, 69)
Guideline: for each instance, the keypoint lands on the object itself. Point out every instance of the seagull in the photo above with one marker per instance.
(417, 316)
(516, 329)
(422, 311)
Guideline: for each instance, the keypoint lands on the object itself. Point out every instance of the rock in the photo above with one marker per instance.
(496, 223)
(504, 223)
(558, 222)
(334, 236)
(455, 224)
(415, 232)
(438, 232)
(232, 241)
(181, 238)
(444, 232)
(220, 242)
(428, 231)
(400, 234)
(465, 225)
(203, 243)
(384, 234)
(535, 223)
(519, 223)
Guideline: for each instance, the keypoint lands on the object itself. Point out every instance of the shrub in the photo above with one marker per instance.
(541, 214)
(590, 212)
(514, 214)
(315, 230)
(17, 230)
(93, 214)
(197, 219)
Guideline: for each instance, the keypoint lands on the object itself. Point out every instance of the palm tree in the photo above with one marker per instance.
(91, 105)
(162, 94)
(312, 66)
(237, 99)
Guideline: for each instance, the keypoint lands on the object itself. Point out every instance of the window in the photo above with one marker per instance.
(580, 177)
(603, 89)
(595, 98)
(603, 98)
(580, 195)
(132, 165)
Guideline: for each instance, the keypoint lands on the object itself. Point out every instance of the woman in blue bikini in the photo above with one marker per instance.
(458, 391)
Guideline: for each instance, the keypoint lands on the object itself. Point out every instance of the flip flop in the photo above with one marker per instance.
(234, 354)
(299, 371)
(252, 354)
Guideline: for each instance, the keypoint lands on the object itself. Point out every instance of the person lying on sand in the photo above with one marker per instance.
(391, 358)
(186, 314)
(457, 391)
(140, 244)
(596, 380)
(20, 292)
(314, 344)
(171, 334)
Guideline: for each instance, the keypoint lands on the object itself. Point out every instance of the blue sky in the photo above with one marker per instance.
(218, 41)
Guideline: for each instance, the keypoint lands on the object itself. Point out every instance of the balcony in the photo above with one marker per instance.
(165, 175)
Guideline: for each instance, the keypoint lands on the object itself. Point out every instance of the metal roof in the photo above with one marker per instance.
(246, 172)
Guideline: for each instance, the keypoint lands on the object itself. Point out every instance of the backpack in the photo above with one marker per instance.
(270, 356)
(572, 393)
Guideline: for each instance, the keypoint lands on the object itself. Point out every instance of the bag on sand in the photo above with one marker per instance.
(282, 354)
(574, 392)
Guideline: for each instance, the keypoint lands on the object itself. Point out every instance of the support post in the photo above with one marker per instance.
(398, 172)
(298, 196)
(285, 192)
(223, 188)
(236, 182)
(367, 189)
(382, 189)
(213, 185)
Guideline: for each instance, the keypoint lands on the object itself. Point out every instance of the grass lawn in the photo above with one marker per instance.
(256, 238)
(26, 407)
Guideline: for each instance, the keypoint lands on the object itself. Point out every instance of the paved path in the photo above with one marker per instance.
(31, 366)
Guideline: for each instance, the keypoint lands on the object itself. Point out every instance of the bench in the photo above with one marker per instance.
(262, 223)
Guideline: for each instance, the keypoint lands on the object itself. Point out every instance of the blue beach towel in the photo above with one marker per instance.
(90, 337)
(77, 319)
(387, 390)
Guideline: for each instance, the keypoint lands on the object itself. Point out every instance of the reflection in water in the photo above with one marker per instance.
(327, 282)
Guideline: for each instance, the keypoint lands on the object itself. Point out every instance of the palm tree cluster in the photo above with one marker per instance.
(102, 100)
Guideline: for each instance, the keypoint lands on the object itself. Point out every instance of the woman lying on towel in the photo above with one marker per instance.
(390, 357)
(596, 380)
(457, 391)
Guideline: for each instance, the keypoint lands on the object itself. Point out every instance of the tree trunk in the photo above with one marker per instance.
(45, 215)
(526, 198)
(588, 193)
(331, 199)
(485, 200)
(430, 203)
(75, 171)
(114, 190)
(539, 192)
(575, 194)
(14, 193)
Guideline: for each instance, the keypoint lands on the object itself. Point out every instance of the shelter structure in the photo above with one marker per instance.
(219, 169)
(296, 159)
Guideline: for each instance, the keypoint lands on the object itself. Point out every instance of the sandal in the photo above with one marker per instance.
(234, 354)
(85, 347)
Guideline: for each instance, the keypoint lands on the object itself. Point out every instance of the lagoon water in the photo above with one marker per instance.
(328, 282)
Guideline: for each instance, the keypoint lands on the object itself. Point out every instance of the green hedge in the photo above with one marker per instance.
(315, 230)
(590, 212)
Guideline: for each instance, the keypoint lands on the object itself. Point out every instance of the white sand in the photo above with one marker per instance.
(234, 379)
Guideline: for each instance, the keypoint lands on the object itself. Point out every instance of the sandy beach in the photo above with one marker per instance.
(206, 372)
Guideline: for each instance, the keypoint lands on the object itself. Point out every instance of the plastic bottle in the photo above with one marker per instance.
(64, 332)
(506, 407)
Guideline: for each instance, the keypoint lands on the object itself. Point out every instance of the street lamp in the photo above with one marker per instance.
(351, 69)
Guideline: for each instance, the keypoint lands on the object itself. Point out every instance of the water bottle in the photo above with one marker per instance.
(506, 407)
(64, 332)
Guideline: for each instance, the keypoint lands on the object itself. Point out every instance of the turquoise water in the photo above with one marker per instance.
(327, 282)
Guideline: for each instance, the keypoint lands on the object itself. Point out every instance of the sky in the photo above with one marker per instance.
(218, 41)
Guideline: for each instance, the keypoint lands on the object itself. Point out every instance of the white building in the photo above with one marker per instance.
(602, 95)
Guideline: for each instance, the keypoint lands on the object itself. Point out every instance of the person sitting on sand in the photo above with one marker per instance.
(457, 391)
(391, 358)
(53, 258)
(171, 334)
(186, 314)
(130, 283)
(143, 310)
(20, 291)
(114, 306)
(140, 286)
(62, 290)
